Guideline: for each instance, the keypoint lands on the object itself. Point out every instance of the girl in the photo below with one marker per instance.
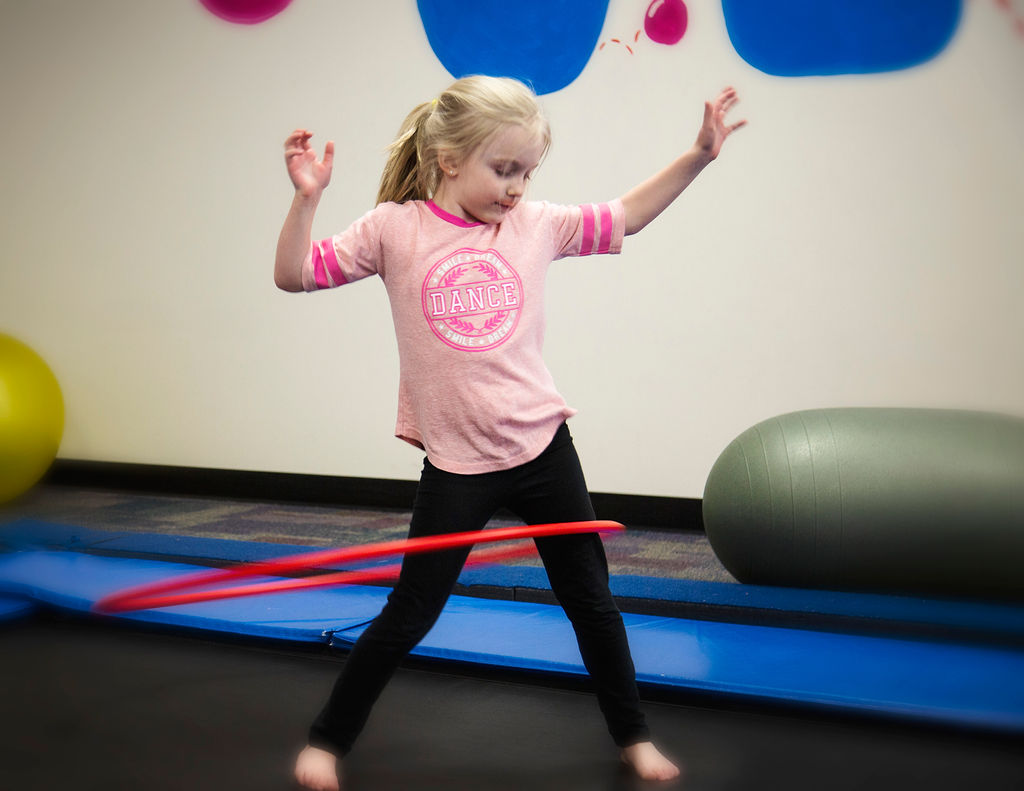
(463, 259)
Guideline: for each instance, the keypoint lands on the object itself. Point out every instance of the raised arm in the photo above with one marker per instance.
(309, 177)
(649, 199)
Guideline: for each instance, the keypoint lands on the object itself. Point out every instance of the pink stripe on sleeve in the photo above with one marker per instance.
(319, 275)
(331, 260)
(587, 242)
(605, 242)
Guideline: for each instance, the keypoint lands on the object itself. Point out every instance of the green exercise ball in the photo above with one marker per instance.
(31, 418)
(886, 500)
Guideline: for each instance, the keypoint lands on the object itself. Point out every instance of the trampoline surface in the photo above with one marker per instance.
(94, 706)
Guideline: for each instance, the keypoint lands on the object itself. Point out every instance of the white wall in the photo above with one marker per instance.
(859, 244)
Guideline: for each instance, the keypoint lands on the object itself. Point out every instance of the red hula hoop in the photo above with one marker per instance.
(168, 593)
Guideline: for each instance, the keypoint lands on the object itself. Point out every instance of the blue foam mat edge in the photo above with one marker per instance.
(13, 608)
(997, 618)
(960, 684)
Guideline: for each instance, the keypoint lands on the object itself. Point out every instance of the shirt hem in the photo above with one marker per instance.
(493, 465)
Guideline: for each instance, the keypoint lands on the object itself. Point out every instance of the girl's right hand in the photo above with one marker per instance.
(309, 176)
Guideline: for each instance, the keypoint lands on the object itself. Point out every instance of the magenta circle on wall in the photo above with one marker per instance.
(246, 12)
(665, 21)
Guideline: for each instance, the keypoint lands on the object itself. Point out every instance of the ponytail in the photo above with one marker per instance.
(402, 177)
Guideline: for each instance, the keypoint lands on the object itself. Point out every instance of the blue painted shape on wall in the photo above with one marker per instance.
(544, 43)
(798, 38)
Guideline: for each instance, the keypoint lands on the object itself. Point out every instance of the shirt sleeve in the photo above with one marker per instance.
(589, 229)
(346, 257)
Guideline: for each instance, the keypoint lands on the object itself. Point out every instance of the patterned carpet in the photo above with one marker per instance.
(652, 553)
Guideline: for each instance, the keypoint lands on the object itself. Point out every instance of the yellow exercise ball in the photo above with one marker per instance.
(31, 418)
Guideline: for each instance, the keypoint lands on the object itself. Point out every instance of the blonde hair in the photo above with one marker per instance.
(457, 121)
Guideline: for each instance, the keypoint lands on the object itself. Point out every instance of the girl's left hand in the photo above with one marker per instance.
(714, 130)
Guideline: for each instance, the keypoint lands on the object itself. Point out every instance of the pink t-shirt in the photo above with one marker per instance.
(467, 301)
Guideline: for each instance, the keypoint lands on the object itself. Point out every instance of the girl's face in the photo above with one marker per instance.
(490, 181)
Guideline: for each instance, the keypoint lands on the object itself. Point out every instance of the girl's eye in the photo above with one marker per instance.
(508, 171)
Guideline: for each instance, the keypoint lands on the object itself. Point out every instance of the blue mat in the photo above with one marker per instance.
(73, 581)
(934, 681)
(998, 621)
(11, 609)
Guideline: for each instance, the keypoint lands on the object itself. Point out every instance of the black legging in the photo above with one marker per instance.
(551, 488)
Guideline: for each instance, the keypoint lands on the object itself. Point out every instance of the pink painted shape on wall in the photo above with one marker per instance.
(246, 12)
(665, 21)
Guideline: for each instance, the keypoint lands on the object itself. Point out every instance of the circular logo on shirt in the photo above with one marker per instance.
(472, 299)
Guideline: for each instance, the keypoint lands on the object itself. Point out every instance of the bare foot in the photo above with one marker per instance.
(317, 770)
(647, 761)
